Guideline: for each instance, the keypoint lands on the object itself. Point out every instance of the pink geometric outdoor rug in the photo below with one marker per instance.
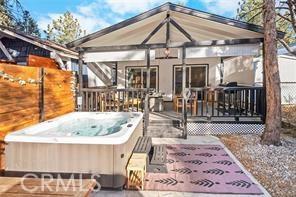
(203, 169)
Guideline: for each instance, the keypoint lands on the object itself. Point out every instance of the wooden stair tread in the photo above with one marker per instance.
(143, 145)
(159, 155)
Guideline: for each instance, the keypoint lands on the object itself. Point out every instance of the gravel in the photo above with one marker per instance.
(273, 166)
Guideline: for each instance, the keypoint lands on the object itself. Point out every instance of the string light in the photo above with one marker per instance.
(19, 80)
(23, 82)
(73, 83)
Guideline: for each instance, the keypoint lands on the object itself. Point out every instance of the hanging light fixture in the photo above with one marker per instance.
(167, 52)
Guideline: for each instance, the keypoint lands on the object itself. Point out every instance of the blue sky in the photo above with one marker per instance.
(94, 15)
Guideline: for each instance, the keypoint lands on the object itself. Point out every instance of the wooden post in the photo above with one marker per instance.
(146, 112)
(168, 32)
(184, 101)
(41, 94)
(80, 78)
(221, 69)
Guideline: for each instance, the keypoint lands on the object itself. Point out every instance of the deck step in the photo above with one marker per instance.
(164, 131)
(173, 123)
(159, 155)
(160, 116)
(164, 127)
(143, 145)
(157, 163)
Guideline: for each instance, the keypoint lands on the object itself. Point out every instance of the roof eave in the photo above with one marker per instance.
(40, 43)
(120, 25)
(176, 8)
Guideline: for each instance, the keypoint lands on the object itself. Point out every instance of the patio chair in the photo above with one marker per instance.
(192, 104)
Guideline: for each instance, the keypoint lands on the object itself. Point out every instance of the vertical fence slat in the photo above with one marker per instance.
(96, 101)
(41, 94)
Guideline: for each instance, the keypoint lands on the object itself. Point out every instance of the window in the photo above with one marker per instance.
(137, 77)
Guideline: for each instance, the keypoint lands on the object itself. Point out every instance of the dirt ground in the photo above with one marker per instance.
(274, 167)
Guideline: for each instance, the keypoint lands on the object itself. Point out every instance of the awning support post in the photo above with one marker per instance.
(146, 111)
(184, 100)
(80, 79)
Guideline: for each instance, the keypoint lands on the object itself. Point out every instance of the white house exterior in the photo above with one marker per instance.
(287, 69)
(180, 52)
(218, 41)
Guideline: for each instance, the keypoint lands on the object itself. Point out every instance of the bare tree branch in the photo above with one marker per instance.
(257, 8)
(289, 49)
(284, 17)
(282, 8)
(257, 14)
(292, 8)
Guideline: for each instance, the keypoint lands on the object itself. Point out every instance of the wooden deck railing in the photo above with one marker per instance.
(234, 102)
(111, 99)
(227, 102)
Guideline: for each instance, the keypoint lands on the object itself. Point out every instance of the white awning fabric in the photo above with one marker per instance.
(224, 51)
(200, 29)
(117, 56)
(171, 25)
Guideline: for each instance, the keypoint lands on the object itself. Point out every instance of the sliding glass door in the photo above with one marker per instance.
(196, 76)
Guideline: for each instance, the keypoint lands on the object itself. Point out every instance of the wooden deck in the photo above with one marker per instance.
(12, 186)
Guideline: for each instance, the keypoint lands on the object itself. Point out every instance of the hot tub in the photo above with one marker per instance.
(79, 143)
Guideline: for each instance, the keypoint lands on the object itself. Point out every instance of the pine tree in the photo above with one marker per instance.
(64, 29)
(251, 11)
(28, 25)
(14, 16)
(6, 18)
(272, 130)
(269, 14)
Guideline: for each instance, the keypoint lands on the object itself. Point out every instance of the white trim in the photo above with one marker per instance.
(189, 66)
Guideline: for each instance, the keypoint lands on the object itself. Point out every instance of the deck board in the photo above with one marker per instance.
(12, 186)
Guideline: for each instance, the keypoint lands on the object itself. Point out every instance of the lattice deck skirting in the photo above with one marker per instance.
(200, 128)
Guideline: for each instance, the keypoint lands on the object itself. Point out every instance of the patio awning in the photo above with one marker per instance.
(171, 26)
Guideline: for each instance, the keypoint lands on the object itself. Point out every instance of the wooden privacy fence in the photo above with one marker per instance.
(29, 95)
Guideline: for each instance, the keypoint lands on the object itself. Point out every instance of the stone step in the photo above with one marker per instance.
(173, 123)
(164, 131)
(159, 116)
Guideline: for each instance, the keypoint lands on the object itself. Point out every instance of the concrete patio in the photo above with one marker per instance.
(198, 140)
